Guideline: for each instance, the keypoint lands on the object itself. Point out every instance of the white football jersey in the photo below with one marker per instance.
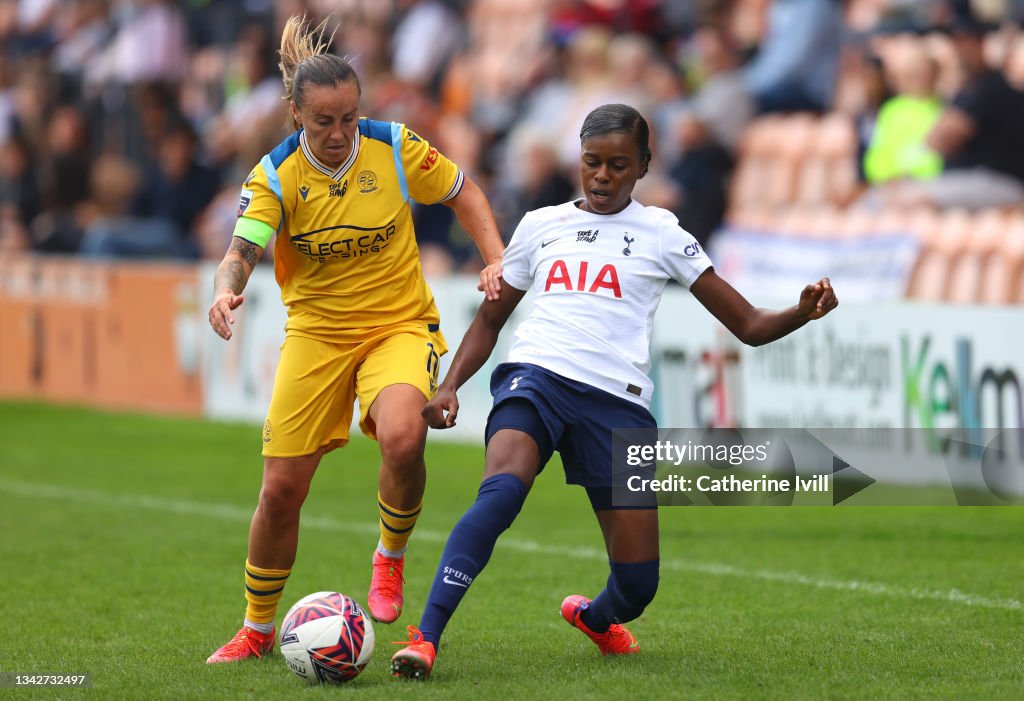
(598, 280)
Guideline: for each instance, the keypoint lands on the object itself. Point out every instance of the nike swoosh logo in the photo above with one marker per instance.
(545, 243)
(645, 464)
(452, 581)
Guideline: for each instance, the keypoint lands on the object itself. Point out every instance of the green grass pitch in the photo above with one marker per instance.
(123, 539)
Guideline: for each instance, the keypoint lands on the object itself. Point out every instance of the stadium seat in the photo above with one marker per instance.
(892, 221)
(811, 187)
(965, 278)
(858, 223)
(1012, 253)
(827, 222)
(1002, 273)
(752, 218)
(929, 276)
(769, 160)
(809, 222)
(796, 159)
(813, 181)
(989, 230)
(749, 185)
(943, 238)
(922, 222)
(953, 233)
(837, 144)
(792, 138)
(793, 221)
(968, 276)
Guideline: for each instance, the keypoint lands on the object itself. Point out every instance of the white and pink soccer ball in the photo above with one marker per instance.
(326, 637)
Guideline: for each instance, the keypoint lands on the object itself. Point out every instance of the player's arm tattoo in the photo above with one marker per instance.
(249, 251)
(237, 265)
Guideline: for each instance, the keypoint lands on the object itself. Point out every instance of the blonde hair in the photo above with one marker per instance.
(305, 59)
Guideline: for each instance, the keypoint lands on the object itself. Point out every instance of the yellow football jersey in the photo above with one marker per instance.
(346, 256)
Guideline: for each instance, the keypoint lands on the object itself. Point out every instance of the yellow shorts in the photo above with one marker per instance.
(317, 383)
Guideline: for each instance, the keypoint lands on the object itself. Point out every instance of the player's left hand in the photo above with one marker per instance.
(817, 300)
(490, 280)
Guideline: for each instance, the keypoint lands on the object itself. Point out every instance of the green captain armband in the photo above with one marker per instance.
(254, 231)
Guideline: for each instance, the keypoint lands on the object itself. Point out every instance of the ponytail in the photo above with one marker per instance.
(305, 60)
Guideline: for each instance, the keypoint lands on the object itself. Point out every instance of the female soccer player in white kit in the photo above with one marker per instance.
(577, 370)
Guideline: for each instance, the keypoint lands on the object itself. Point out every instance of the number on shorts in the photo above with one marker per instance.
(433, 362)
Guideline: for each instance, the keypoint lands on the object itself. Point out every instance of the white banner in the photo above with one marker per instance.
(903, 365)
(768, 267)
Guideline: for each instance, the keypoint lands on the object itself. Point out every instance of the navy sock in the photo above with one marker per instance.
(469, 547)
(631, 586)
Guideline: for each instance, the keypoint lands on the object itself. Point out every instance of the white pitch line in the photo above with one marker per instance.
(234, 513)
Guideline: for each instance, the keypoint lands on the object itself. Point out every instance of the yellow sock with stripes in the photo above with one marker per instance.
(395, 527)
(263, 589)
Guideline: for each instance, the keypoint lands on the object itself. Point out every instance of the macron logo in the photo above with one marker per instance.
(458, 579)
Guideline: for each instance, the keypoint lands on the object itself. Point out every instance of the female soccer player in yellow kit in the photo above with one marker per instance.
(362, 322)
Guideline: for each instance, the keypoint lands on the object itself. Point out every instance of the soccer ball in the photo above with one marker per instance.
(326, 637)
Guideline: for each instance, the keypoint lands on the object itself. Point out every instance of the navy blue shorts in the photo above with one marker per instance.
(574, 418)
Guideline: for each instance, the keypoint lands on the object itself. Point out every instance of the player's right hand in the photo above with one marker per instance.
(434, 412)
(221, 318)
(817, 300)
(490, 280)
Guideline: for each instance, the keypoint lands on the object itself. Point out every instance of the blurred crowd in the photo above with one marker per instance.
(127, 126)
